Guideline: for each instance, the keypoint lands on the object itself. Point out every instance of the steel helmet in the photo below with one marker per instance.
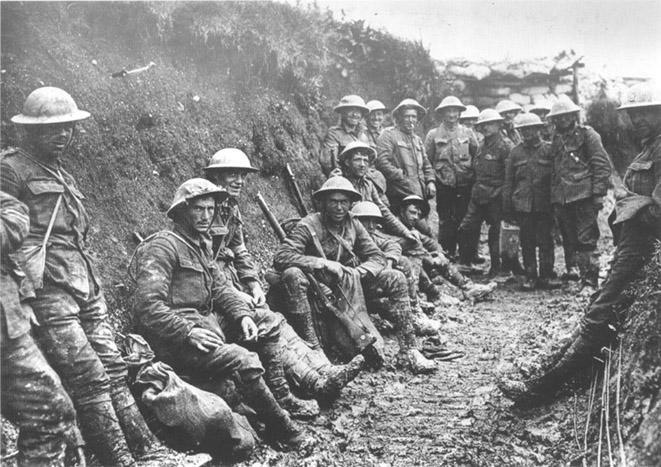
(230, 158)
(470, 112)
(507, 105)
(49, 105)
(642, 95)
(417, 200)
(489, 116)
(350, 101)
(410, 104)
(366, 209)
(357, 146)
(450, 102)
(541, 107)
(375, 105)
(564, 105)
(194, 188)
(527, 120)
(337, 183)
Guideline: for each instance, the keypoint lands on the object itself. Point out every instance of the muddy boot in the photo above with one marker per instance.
(529, 284)
(103, 434)
(572, 273)
(424, 325)
(278, 423)
(413, 361)
(274, 374)
(304, 327)
(335, 379)
(548, 283)
(142, 442)
(478, 292)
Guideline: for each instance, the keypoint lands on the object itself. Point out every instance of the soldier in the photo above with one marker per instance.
(527, 198)
(451, 148)
(541, 109)
(468, 118)
(581, 174)
(193, 318)
(639, 213)
(508, 110)
(352, 110)
(401, 156)
(32, 395)
(229, 169)
(374, 129)
(341, 253)
(486, 200)
(74, 333)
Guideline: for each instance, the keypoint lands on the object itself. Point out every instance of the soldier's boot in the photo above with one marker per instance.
(105, 439)
(141, 441)
(546, 279)
(477, 292)
(572, 272)
(274, 374)
(278, 422)
(409, 357)
(300, 313)
(542, 389)
(337, 377)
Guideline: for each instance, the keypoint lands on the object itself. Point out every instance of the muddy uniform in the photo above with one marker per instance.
(336, 140)
(451, 152)
(581, 171)
(32, 395)
(512, 134)
(74, 333)
(486, 199)
(640, 218)
(527, 197)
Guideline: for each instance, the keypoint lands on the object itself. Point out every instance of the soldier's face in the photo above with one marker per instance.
(468, 122)
(541, 113)
(509, 116)
(451, 115)
(530, 134)
(408, 120)
(199, 214)
(646, 121)
(375, 119)
(352, 116)
(369, 223)
(411, 214)
(232, 180)
(336, 206)
(51, 140)
(358, 164)
(564, 122)
(488, 129)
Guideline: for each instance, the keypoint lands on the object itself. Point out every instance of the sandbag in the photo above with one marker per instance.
(202, 419)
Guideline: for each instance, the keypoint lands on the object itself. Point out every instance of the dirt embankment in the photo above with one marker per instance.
(263, 77)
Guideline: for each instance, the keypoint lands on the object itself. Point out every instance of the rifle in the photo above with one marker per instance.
(300, 205)
(358, 333)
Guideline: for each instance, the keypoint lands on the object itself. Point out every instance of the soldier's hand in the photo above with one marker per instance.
(413, 235)
(249, 329)
(431, 190)
(204, 340)
(336, 172)
(258, 295)
(334, 268)
(390, 263)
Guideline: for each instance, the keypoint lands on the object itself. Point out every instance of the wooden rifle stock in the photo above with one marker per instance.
(300, 205)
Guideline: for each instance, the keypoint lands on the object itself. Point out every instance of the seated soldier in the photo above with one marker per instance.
(356, 273)
(228, 169)
(434, 262)
(193, 320)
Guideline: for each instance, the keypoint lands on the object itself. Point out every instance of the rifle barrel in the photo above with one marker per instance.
(271, 218)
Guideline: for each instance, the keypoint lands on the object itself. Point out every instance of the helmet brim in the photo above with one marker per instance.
(421, 110)
(220, 195)
(321, 192)
(365, 110)
(75, 116)
(230, 167)
(441, 108)
(350, 152)
(639, 105)
(490, 120)
(530, 125)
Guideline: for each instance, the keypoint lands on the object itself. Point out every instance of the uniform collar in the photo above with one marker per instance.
(198, 240)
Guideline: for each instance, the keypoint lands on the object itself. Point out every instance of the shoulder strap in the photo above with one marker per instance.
(315, 240)
(51, 222)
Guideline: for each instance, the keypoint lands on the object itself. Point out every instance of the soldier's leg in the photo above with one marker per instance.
(528, 231)
(471, 223)
(460, 209)
(587, 236)
(94, 320)
(447, 225)
(35, 401)
(544, 239)
(566, 219)
(297, 306)
(67, 348)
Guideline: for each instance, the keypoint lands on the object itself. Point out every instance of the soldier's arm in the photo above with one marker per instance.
(15, 224)
(507, 186)
(385, 147)
(430, 147)
(329, 152)
(292, 252)
(155, 264)
(430, 244)
(372, 258)
(427, 168)
(244, 263)
(226, 300)
(10, 182)
(391, 249)
(652, 213)
(473, 143)
(391, 224)
(599, 162)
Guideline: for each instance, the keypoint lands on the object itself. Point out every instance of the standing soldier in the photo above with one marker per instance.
(486, 201)
(374, 129)
(527, 198)
(581, 178)
(193, 318)
(352, 110)
(32, 395)
(468, 118)
(451, 148)
(541, 109)
(74, 331)
(508, 110)
(639, 213)
(401, 156)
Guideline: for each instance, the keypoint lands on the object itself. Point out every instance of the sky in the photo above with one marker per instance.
(617, 38)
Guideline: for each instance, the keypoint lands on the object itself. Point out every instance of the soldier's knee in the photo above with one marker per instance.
(268, 323)
(246, 363)
(295, 280)
(393, 282)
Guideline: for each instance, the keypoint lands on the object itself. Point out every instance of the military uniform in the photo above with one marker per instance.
(486, 199)
(373, 173)
(451, 152)
(32, 395)
(527, 196)
(401, 158)
(74, 331)
(581, 171)
(512, 134)
(336, 140)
